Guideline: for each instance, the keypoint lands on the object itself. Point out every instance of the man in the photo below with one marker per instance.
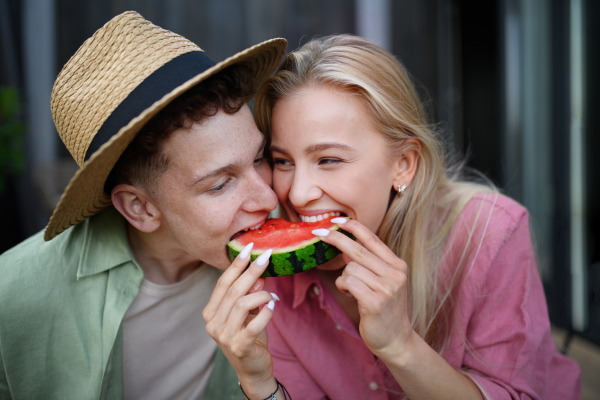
(107, 302)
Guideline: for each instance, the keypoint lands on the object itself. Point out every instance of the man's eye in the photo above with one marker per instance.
(259, 160)
(220, 187)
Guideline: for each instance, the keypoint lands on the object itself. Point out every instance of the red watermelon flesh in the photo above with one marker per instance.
(295, 248)
(279, 235)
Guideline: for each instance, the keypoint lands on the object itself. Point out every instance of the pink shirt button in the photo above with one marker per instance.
(316, 290)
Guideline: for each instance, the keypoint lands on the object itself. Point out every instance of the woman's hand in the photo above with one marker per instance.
(377, 279)
(234, 321)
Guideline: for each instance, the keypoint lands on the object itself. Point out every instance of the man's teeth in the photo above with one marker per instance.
(315, 218)
(253, 227)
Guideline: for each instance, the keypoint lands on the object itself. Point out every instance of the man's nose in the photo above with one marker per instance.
(261, 195)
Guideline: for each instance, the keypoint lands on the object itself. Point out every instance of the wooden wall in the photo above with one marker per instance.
(221, 28)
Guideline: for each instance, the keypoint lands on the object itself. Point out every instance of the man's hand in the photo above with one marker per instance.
(234, 321)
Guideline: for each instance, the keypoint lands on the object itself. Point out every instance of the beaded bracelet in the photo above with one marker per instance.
(272, 396)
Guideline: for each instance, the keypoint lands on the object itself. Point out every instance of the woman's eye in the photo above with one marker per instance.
(325, 161)
(281, 162)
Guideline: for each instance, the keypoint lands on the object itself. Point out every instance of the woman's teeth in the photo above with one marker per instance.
(315, 218)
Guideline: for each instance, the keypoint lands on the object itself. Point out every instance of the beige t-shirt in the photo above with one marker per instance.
(167, 353)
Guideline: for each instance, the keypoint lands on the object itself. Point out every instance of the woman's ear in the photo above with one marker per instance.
(407, 163)
(137, 207)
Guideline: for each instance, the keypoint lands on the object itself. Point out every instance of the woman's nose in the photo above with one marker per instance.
(304, 189)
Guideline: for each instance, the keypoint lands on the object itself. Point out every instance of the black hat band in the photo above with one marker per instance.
(160, 83)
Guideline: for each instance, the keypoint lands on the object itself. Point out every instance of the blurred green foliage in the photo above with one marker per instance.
(12, 133)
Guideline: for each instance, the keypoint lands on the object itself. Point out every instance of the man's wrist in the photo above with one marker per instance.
(258, 389)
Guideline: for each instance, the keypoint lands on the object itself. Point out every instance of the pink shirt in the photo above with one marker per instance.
(501, 312)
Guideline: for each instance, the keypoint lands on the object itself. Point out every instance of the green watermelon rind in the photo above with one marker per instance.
(295, 259)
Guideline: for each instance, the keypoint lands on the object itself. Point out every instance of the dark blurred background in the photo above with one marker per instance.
(511, 81)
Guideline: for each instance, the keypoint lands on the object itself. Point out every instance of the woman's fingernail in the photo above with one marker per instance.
(321, 232)
(264, 257)
(275, 296)
(339, 220)
(271, 305)
(246, 251)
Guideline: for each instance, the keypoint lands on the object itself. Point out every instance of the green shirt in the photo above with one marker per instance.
(62, 304)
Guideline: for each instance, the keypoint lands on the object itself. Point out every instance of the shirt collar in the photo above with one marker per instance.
(302, 283)
(105, 243)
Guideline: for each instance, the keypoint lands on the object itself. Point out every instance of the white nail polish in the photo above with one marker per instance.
(339, 220)
(321, 232)
(275, 296)
(271, 305)
(264, 257)
(246, 251)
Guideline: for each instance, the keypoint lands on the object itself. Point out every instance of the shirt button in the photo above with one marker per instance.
(339, 327)
(373, 386)
(316, 290)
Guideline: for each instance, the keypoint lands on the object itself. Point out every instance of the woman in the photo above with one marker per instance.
(445, 301)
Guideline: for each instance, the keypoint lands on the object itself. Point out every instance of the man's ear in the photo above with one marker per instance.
(407, 163)
(136, 206)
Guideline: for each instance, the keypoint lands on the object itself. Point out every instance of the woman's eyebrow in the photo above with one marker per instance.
(324, 146)
(277, 149)
(316, 147)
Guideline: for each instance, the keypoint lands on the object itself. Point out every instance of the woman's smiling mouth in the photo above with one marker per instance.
(319, 217)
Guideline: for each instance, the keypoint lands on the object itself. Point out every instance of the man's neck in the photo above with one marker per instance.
(161, 262)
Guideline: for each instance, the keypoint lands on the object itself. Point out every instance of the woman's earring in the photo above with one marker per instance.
(401, 189)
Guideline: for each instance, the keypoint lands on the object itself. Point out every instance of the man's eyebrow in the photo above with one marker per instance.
(228, 168)
(219, 171)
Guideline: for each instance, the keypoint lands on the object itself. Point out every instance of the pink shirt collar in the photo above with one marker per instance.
(302, 283)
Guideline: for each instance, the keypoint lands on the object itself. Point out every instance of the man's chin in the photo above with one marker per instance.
(219, 262)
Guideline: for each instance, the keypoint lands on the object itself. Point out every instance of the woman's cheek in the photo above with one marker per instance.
(266, 173)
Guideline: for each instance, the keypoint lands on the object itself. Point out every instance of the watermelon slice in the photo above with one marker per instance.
(295, 248)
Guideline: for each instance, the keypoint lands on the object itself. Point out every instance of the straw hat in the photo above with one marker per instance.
(119, 79)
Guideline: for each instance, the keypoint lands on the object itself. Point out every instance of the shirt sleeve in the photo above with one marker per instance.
(289, 371)
(509, 345)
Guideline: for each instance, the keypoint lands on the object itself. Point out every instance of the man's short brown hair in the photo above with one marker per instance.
(143, 160)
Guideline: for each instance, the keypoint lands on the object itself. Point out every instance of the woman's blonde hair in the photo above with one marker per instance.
(417, 224)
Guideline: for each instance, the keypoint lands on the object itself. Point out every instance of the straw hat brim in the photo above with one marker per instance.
(84, 195)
